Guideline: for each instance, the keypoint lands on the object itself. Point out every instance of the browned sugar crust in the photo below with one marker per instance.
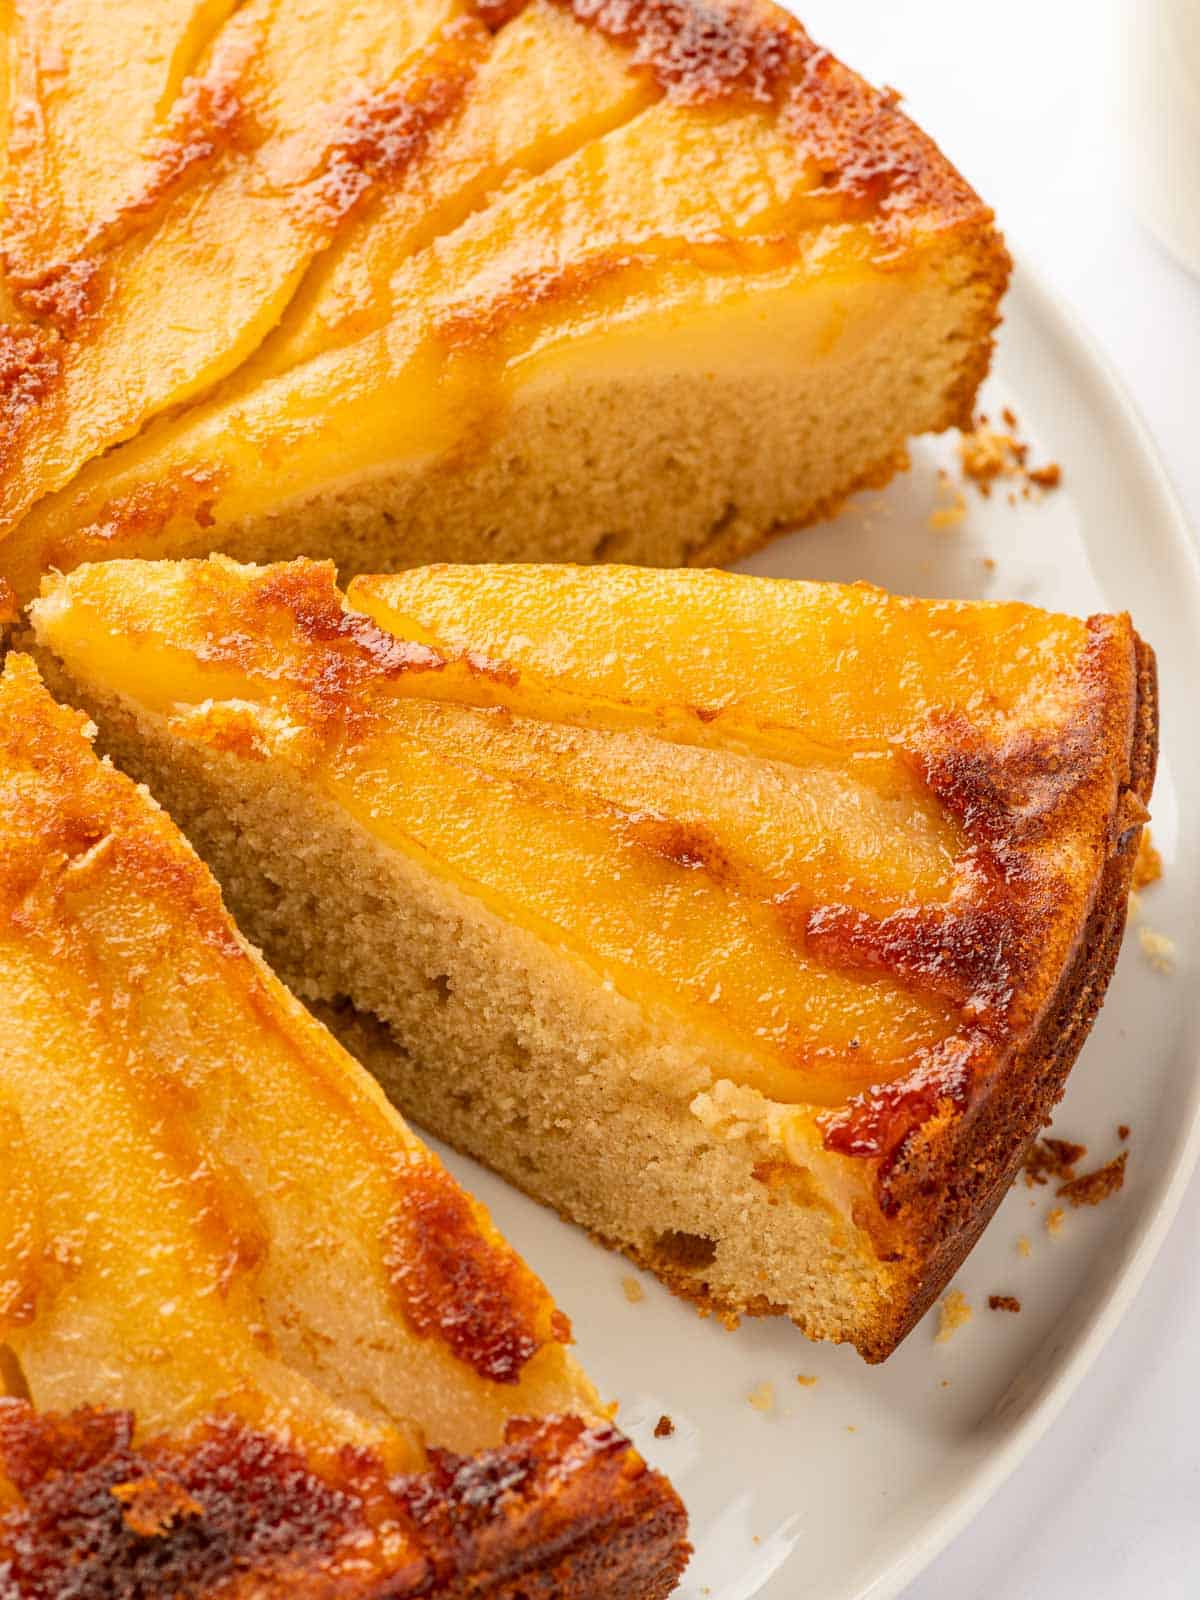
(702, 52)
(953, 1179)
(563, 1510)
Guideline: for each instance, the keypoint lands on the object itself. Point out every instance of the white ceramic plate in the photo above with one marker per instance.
(849, 1487)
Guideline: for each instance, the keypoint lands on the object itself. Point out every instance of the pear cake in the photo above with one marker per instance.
(254, 1340)
(396, 283)
(754, 925)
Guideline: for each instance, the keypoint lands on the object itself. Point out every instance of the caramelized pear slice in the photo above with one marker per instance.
(210, 1205)
(248, 184)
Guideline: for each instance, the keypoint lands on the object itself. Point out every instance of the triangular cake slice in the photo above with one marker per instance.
(255, 1340)
(753, 924)
(470, 281)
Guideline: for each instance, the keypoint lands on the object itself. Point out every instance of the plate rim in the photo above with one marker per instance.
(889, 1583)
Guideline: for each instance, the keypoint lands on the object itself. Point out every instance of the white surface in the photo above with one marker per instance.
(1022, 97)
(1160, 110)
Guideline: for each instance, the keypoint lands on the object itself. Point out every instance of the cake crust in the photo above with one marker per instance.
(562, 1510)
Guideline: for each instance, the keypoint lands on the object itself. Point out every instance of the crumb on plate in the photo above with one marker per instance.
(988, 454)
(633, 1290)
(804, 1380)
(664, 1427)
(949, 516)
(1054, 1220)
(953, 1312)
(1052, 1158)
(1024, 1246)
(1003, 1302)
(1148, 867)
(762, 1397)
(1158, 949)
(1092, 1187)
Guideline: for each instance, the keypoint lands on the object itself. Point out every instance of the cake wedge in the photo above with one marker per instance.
(753, 924)
(254, 1340)
(463, 281)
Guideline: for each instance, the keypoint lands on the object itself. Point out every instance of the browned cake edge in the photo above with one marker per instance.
(960, 1178)
(563, 1510)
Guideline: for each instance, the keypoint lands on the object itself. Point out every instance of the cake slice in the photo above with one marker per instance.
(753, 924)
(463, 281)
(254, 1338)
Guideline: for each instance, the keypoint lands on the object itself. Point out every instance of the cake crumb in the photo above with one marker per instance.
(987, 455)
(948, 516)
(953, 1312)
(1123, 1131)
(1147, 868)
(1003, 1302)
(1054, 1220)
(989, 563)
(664, 1427)
(762, 1397)
(804, 1380)
(1092, 1187)
(1009, 417)
(1024, 1246)
(850, 1428)
(1052, 1158)
(1158, 949)
(633, 1290)
(945, 1383)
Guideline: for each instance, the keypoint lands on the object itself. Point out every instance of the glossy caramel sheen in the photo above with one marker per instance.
(849, 839)
(206, 1204)
(265, 248)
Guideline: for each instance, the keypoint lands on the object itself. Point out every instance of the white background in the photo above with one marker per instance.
(1024, 98)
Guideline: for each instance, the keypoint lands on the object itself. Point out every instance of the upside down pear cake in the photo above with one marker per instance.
(254, 1340)
(753, 924)
(461, 280)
